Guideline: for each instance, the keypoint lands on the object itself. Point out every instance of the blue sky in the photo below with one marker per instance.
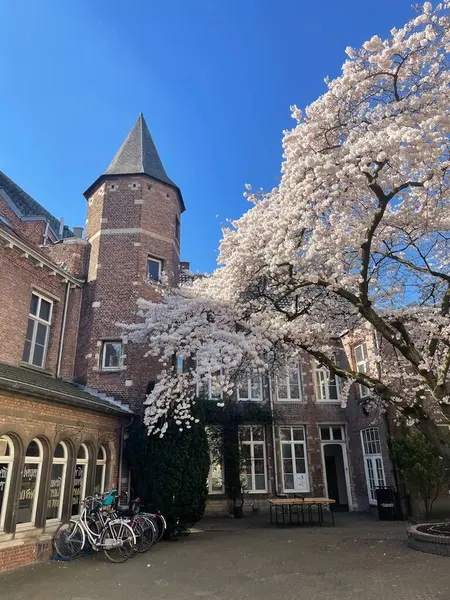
(214, 79)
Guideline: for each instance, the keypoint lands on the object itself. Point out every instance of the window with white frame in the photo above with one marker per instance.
(210, 388)
(29, 487)
(253, 458)
(6, 466)
(79, 484)
(332, 433)
(362, 366)
(327, 385)
(111, 356)
(294, 459)
(373, 461)
(289, 384)
(250, 388)
(57, 483)
(215, 475)
(38, 329)
(154, 269)
(100, 471)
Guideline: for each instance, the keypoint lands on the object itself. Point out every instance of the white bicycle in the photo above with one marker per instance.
(115, 537)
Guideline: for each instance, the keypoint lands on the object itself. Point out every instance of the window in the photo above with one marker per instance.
(289, 385)
(100, 471)
(177, 228)
(362, 364)
(79, 484)
(250, 388)
(29, 488)
(293, 455)
(373, 462)
(180, 364)
(327, 385)
(111, 356)
(215, 476)
(333, 433)
(36, 337)
(6, 466)
(210, 388)
(57, 483)
(253, 456)
(154, 266)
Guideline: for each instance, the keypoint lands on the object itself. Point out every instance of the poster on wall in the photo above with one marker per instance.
(301, 482)
(54, 497)
(77, 488)
(3, 477)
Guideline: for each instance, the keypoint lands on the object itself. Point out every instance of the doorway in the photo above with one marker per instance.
(335, 477)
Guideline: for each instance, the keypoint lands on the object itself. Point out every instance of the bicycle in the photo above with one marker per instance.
(116, 537)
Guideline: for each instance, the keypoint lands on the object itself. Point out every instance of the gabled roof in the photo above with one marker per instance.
(40, 385)
(24, 204)
(138, 156)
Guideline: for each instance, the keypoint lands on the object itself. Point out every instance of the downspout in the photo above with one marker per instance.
(274, 446)
(63, 330)
(388, 429)
(122, 438)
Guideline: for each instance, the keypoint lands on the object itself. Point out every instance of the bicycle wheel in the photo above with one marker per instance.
(150, 533)
(69, 539)
(160, 524)
(118, 541)
(139, 534)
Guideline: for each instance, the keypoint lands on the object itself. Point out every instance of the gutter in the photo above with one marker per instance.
(274, 446)
(46, 393)
(122, 439)
(63, 331)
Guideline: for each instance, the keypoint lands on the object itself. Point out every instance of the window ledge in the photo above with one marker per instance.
(35, 368)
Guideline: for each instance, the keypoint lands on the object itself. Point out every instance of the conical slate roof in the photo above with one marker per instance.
(138, 154)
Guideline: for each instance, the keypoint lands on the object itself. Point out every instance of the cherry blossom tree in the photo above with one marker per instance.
(355, 236)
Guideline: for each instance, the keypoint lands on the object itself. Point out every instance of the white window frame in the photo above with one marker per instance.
(101, 462)
(292, 443)
(103, 355)
(10, 460)
(322, 377)
(160, 268)
(330, 428)
(37, 320)
(209, 396)
(60, 461)
(252, 443)
(287, 377)
(362, 366)
(249, 397)
(373, 462)
(81, 461)
(33, 460)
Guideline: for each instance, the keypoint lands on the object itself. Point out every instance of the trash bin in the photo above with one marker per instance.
(386, 503)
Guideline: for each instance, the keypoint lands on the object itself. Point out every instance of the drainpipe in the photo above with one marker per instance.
(403, 506)
(122, 438)
(63, 330)
(274, 446)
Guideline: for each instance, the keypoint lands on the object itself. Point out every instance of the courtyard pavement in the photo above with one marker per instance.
(359, 559)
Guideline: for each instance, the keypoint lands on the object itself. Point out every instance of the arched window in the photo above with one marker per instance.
(100, 471)
(79, 485)
(57, 483)
(31, 478)
(6, 465)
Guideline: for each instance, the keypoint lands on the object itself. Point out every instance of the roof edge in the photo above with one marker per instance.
(106, 176)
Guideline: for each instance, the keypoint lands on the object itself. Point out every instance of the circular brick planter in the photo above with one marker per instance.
(429, 541)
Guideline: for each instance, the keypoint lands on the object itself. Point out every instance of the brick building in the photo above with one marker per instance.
(70, 381)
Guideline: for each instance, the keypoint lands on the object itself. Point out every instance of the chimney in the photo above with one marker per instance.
(78, 232)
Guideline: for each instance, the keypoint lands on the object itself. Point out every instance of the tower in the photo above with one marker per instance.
(133, 229)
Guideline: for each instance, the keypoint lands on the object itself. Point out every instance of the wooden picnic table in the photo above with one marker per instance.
(299, 503)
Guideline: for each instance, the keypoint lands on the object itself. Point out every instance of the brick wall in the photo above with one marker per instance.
(23, 418)
(20, 277)
(129, 218)
(32, 231)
